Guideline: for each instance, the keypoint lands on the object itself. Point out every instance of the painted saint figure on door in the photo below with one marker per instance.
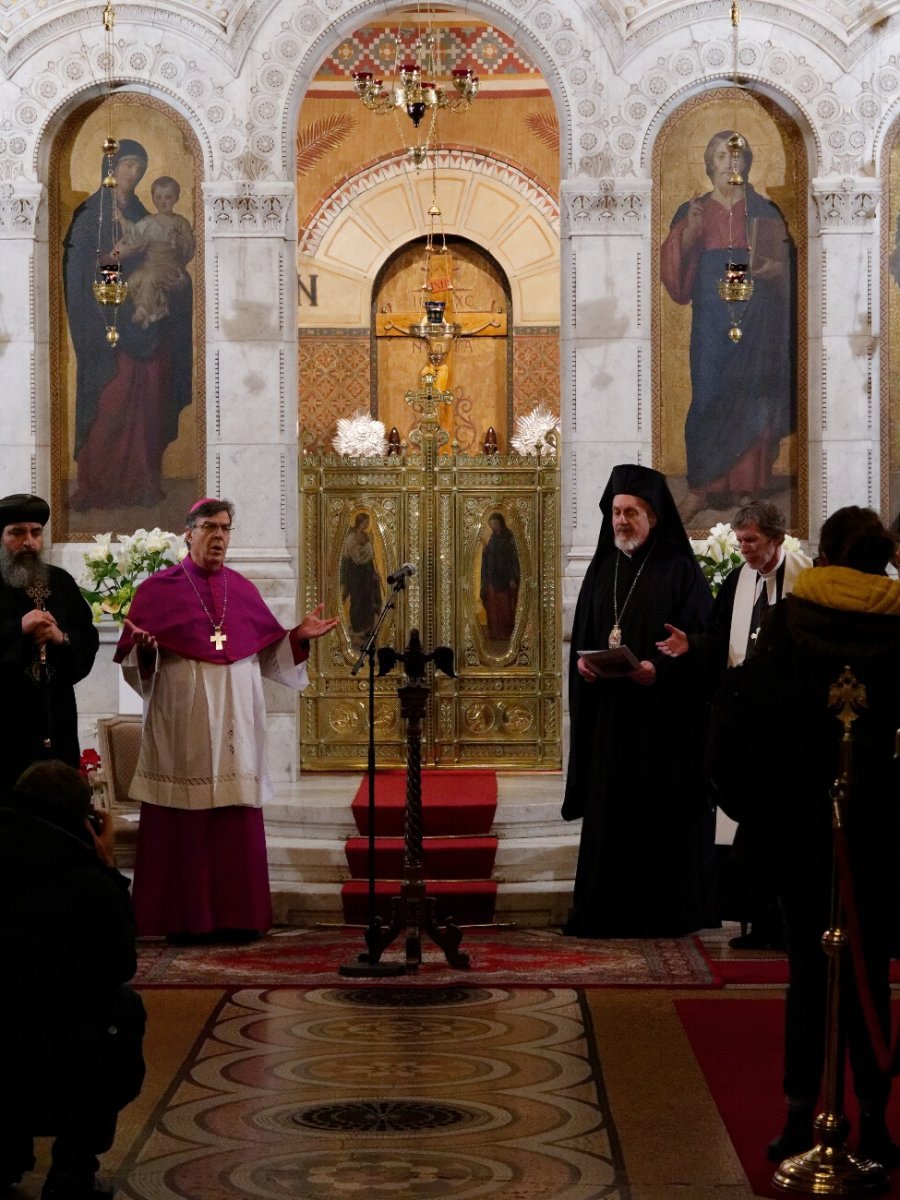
(361, 590)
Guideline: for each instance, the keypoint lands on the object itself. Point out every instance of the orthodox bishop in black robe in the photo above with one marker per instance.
(635, 764)
(38, 690)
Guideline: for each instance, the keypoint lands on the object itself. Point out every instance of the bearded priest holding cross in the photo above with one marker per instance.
(198, 640)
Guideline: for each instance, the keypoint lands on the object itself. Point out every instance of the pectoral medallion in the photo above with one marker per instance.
(615, 638)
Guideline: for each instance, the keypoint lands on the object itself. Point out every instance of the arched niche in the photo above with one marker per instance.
(366, 219)
(478, 370)
(715, 396)
(127, 422)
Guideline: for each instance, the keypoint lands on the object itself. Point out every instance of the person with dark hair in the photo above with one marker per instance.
(48, 642)
(646, 824)
(70, 1050)
(769, 573)
(500, 576)
(197, 642)
(119, 443)
(844, 613)
(742, 390)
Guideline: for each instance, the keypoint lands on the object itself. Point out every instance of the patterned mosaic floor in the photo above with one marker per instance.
(450, 1094)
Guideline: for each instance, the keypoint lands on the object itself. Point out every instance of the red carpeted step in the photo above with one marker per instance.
(467, 901)
(453, 802)
(443, 858)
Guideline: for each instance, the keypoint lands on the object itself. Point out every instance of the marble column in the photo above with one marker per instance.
(25, 427)
(605, 352)
(251, 419)
(843, 408)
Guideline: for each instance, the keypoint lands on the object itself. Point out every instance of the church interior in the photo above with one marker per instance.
(417, 321)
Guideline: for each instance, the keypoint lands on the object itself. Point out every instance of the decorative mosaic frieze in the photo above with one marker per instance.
(448, 158)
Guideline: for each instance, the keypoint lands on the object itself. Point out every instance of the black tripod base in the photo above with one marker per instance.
(369, 965)
(362, 968)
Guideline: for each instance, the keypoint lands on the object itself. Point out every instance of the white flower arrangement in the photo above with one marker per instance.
(113, 571)
(532, 430)
(718, 555)
(360, 436)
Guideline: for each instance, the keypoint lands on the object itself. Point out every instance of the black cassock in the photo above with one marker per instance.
(35, 708)
(636, 761)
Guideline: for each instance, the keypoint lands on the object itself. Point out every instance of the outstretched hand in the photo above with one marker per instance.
(675, 644)
(314, 625)
(141, 638)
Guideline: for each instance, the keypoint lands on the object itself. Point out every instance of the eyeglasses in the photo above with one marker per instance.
(209, 526)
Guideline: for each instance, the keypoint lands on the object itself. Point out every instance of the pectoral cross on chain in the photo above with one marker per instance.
(218, 637)
(38, 592)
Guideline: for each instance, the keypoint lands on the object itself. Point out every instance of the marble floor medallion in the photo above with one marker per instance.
(321, 1094)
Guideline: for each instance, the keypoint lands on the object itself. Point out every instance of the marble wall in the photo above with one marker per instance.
(616, 71)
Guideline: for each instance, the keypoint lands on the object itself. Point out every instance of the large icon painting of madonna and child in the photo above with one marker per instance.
(128, 449)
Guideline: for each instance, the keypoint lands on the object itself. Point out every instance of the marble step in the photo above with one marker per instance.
(530, 905)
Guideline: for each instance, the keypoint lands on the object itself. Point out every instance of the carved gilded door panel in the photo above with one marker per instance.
(483, 535)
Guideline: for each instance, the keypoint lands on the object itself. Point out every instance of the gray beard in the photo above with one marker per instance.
(21, 572)
(628, 545)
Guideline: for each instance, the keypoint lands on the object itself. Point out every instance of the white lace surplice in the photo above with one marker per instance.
(204, 742)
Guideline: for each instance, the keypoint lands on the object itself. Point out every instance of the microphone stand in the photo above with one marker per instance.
(370, 964)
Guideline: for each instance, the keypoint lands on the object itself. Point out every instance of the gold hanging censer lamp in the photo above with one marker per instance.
(109, 287)
(736, 284)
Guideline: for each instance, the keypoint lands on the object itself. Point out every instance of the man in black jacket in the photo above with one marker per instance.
(70, 1047)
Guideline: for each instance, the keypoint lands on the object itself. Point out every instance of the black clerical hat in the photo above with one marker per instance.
(632, 479)
(23, 507)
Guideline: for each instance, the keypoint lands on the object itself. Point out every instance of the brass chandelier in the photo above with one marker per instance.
(416, 88)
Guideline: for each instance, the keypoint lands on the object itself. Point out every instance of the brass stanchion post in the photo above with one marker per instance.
(829, 1169)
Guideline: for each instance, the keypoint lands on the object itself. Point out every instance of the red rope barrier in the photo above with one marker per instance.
(888, 1058)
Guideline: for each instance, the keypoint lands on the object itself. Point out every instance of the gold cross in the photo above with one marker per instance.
(847, 694)
(218, 637)
(428, 397)
(38, 592)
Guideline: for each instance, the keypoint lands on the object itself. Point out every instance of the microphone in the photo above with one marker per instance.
(401, 573)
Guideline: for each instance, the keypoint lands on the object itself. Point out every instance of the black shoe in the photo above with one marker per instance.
(875, 1142)
(796, 1137)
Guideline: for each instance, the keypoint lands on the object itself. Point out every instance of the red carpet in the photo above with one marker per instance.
(764, 972)
(453, 803)
(738, 1044)
(505, 958)
(458, 809)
